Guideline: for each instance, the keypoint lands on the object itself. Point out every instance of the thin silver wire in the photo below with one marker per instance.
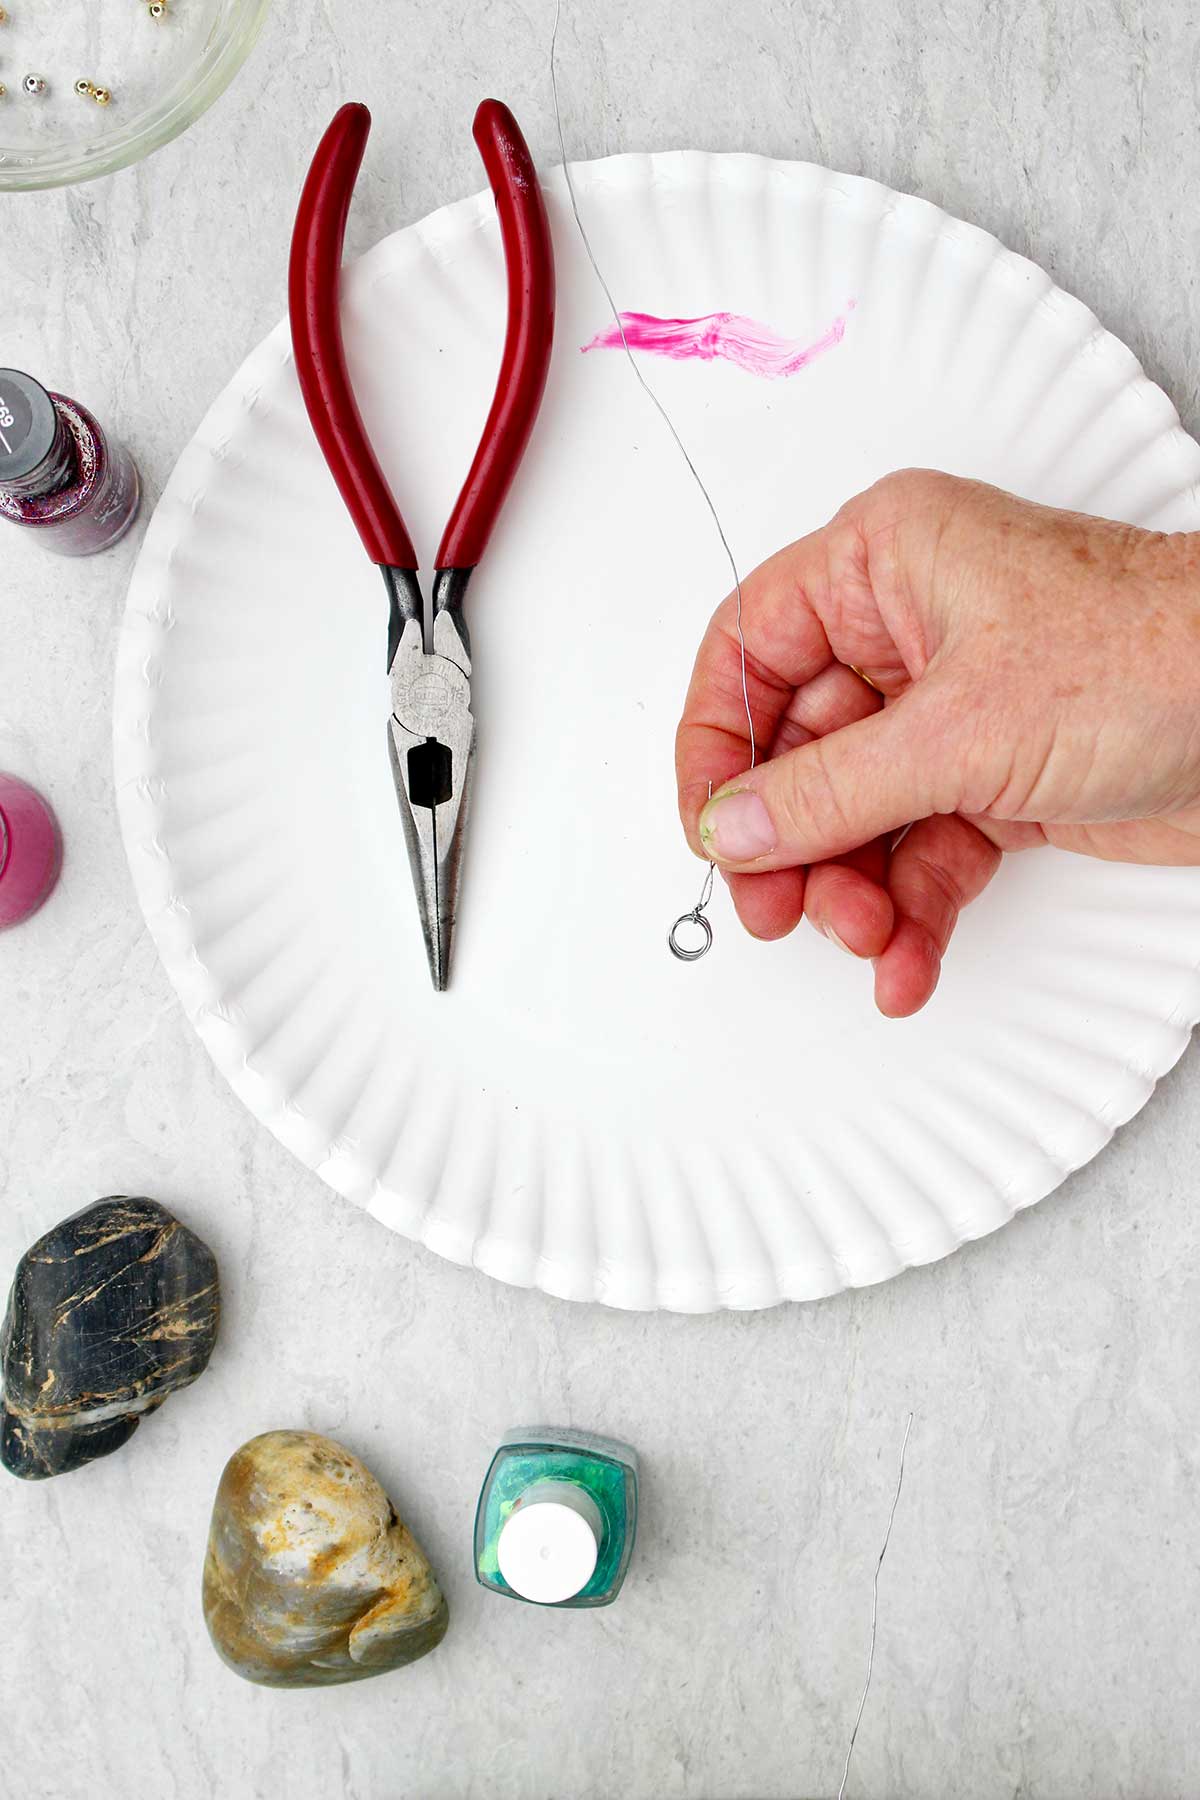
(649, 391)
(695, 917)
(659, 408)
(887, 1538)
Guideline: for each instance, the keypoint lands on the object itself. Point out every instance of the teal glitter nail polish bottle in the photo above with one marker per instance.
(557, 1518)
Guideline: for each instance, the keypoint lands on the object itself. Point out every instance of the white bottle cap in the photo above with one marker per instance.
(549, 1544)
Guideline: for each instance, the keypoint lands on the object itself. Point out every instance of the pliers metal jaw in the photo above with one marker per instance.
(431, 737)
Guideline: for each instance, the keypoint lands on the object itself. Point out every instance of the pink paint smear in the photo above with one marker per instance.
(730, 336)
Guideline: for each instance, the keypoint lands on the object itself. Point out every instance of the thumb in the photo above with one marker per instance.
(836, 793)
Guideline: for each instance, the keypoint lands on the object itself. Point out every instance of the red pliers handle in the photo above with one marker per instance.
(313, 280)
(431, 728)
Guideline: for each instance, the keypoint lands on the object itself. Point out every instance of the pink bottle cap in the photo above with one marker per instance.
(30, 850)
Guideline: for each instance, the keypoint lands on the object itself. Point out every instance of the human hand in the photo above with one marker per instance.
(1036, 679)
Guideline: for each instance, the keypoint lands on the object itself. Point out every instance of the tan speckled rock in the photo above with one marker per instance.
(310, 1578)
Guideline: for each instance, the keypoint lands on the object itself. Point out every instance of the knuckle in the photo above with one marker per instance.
(913, 489)
(901, 484)
(933, 898)
(943, 888)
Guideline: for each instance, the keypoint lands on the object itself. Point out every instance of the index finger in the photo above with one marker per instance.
(786, 646)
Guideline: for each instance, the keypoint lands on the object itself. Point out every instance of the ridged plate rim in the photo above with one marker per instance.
(141, 794)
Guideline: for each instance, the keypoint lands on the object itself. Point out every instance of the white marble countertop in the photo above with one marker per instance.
(1038, 1621)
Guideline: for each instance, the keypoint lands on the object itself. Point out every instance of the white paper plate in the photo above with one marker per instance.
(581, 1112)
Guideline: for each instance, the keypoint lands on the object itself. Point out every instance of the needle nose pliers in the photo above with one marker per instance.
(431, 731)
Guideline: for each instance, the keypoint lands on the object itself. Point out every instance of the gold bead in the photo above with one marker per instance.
(3, 16)
(3, 90)
(84, 88)
(101, 96)
(158, 9)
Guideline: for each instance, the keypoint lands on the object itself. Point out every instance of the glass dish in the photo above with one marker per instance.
(162, 74)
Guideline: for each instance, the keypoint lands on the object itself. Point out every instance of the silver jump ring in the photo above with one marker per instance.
(698, 950)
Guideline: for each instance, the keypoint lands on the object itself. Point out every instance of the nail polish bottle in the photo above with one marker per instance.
(30, 850)
(557, 1518)
(60, 474)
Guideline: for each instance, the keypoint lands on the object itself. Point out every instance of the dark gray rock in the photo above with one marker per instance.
(108, 1314)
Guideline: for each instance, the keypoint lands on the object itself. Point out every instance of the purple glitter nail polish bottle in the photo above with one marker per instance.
(60, 474)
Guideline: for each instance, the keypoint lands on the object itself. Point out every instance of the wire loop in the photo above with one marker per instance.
(694, 952)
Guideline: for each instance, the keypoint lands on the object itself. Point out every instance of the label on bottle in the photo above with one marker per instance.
(29, 429)
(16, 416)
